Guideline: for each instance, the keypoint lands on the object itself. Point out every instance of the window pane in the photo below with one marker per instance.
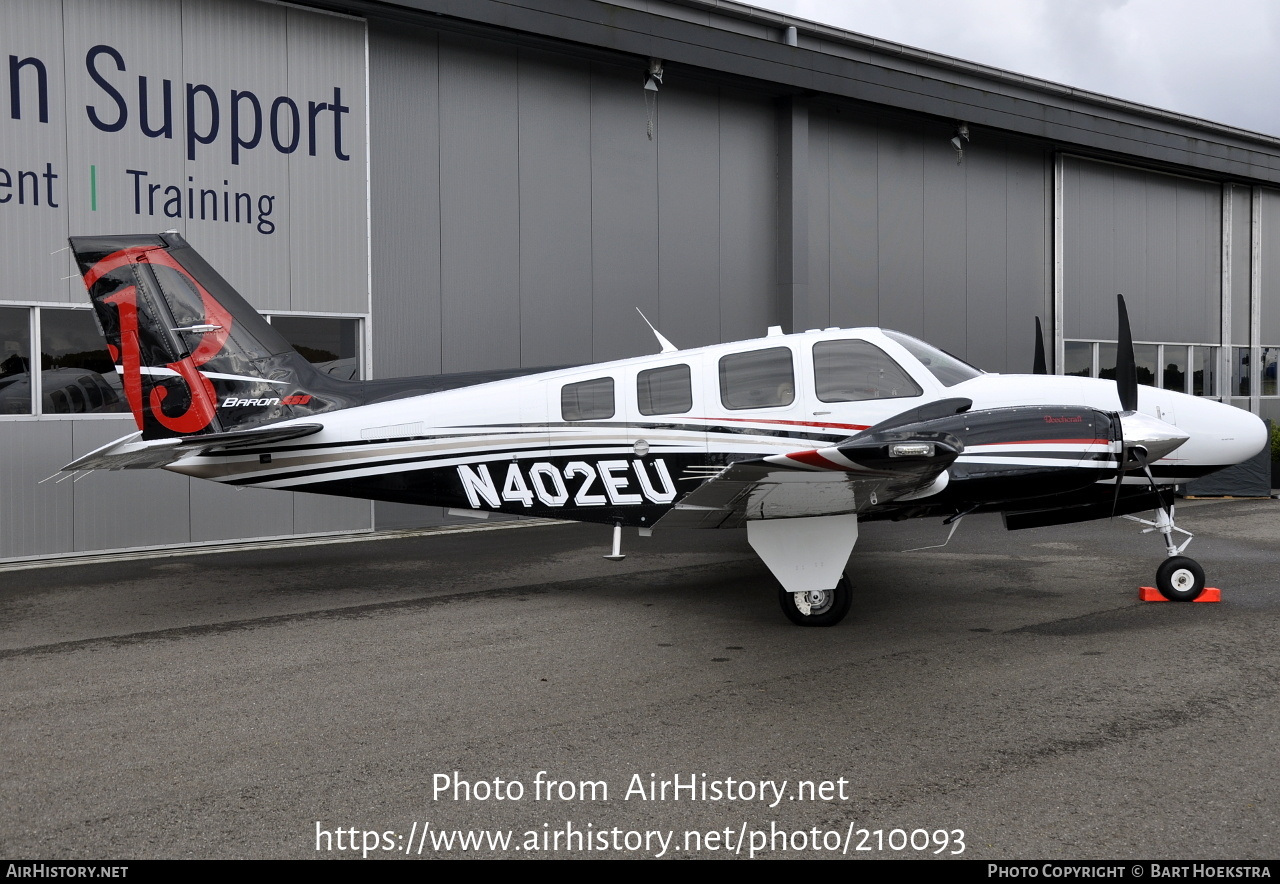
(1269, 355)
(949, 370)
(759, 379)
(1078, 359)
(76, 370)
(588, 401)
(1144, 357)
(1174, 376)
(1240, 371)
(850, 371)
(1204, 381)
(1144, 362)
(15, 360)
(1107, 361)
(330, 344)
(666, 390)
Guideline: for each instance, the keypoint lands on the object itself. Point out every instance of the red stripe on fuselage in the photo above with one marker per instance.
(757, 420)
(1049, 442)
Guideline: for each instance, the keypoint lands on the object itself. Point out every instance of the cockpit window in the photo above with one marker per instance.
(949, 370)
(757, 379)
(851, 371)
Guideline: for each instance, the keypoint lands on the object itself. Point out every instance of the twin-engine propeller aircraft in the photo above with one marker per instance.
(798, 437)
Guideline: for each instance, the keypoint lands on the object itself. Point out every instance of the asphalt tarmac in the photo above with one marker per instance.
(1004, 697)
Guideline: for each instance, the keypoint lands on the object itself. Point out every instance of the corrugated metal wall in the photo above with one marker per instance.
(903, 235)
(1269, 288)
(523, 212)
(1156, 239)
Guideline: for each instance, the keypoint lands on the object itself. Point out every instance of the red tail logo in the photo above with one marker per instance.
(200, 412)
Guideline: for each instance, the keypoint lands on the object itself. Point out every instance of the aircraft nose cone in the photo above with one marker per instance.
(1156, 436)
(1222, 434)
(1242, 433)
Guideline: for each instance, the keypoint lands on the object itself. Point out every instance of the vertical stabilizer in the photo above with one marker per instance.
(194, 357)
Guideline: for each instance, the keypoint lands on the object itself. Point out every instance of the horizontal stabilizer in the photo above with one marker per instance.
(215, 442)
(132, 452)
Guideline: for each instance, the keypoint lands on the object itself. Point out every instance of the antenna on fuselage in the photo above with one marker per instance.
(667, 346)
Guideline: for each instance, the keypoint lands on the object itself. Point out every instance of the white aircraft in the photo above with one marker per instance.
(798, 437)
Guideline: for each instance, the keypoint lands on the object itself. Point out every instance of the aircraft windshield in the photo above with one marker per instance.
(948, 369)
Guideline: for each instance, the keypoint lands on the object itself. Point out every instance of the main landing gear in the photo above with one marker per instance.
(817, 607)
(806, 555)
(1179, 578)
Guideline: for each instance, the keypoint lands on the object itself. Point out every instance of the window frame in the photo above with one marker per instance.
(688, 382)
(613, 399)
(818, 386)
(722, 376)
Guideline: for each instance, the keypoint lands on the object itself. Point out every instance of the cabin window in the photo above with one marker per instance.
(666, 390)
(758, 379)
(587, 401)
(852, 371)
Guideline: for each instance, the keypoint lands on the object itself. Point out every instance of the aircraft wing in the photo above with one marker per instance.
(860, 473)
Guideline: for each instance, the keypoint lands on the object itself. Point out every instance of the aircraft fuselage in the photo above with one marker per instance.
(622, 441)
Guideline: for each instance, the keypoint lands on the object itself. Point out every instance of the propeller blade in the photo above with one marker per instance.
(1141, 456)
(1040, 366)
(1126, 365)
(1155, 489)
(1115, 501)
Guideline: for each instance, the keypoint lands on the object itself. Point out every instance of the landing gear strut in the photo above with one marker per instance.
(1179, 578)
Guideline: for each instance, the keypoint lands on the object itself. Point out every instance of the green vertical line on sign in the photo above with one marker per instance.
(93, 188)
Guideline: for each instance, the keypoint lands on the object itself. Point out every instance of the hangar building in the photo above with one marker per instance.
(430, 186)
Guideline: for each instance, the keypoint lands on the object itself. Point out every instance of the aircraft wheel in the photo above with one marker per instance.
(827, 607)
(1180, 579)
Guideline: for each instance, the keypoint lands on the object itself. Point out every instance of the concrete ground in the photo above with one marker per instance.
(1009, 687)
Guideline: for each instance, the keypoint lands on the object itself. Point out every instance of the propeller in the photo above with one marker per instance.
(1126, 365)
(1041, 365)
(1143, 438)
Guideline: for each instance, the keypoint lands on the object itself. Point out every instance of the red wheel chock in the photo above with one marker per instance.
(1151, 594)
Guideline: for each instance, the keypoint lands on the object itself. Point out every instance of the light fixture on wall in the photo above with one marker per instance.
(652, 80)
(653, 76)
(959, 140)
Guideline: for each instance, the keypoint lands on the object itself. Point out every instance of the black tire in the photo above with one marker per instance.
(827, 610)
(1180, 579)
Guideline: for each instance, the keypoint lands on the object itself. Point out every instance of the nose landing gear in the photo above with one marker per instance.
(1179, 578)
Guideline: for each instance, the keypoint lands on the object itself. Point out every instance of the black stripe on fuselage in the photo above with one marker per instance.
(1048, 455)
